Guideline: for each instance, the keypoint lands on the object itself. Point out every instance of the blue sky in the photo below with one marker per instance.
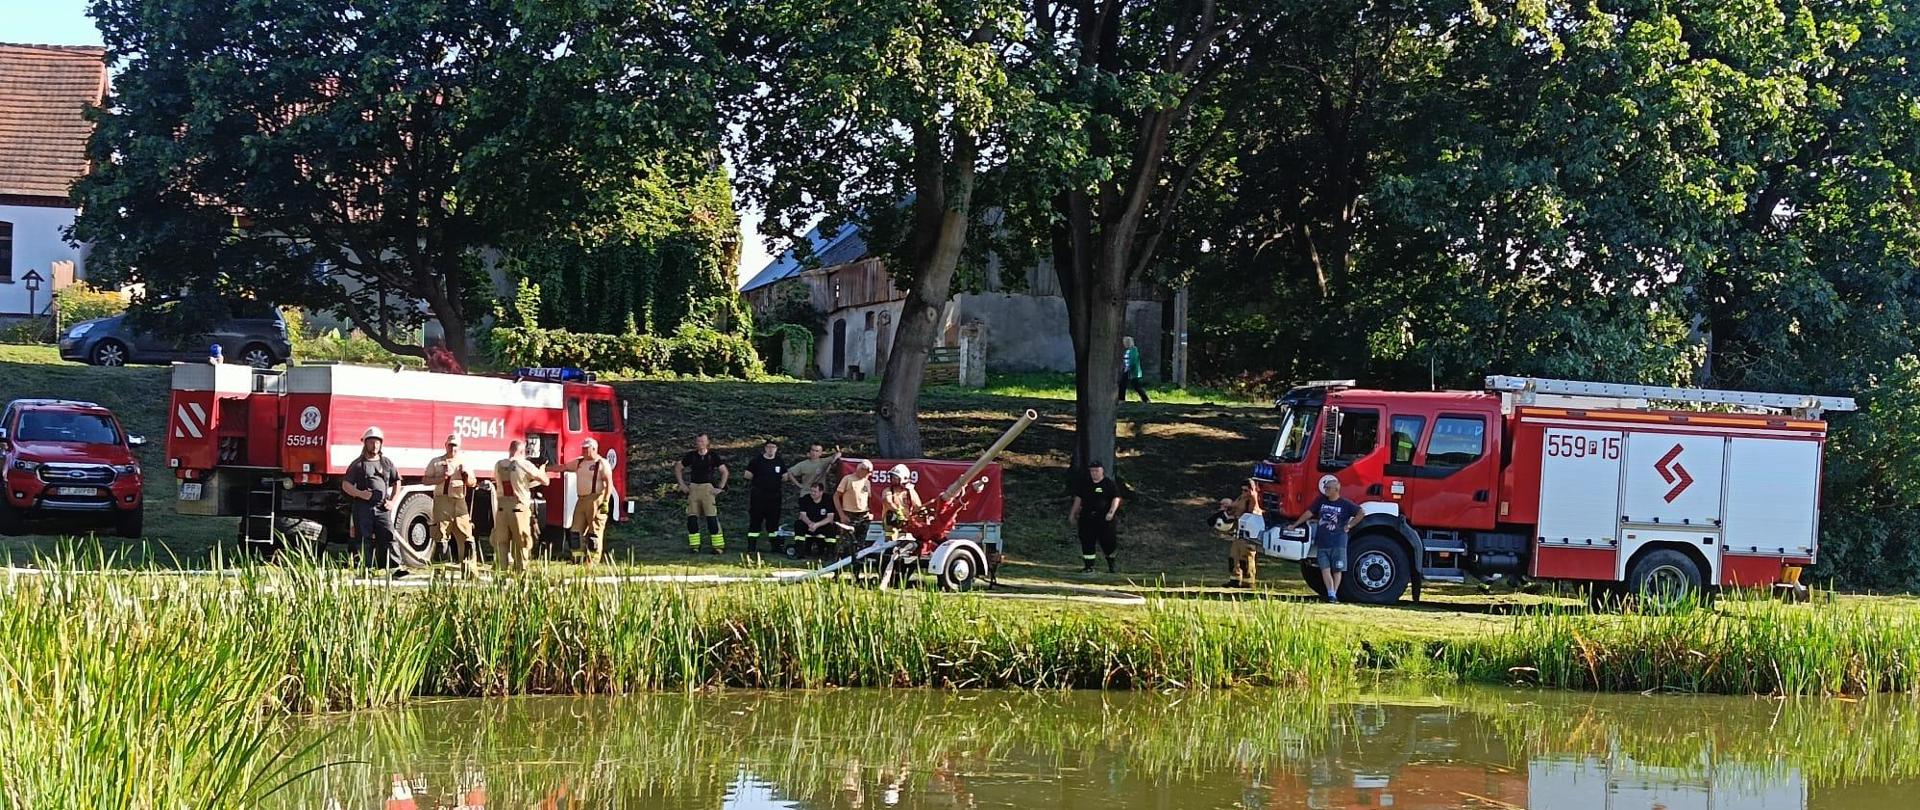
(65, 22)
(50, 22)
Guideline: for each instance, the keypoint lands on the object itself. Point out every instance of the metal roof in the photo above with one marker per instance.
(845, 244)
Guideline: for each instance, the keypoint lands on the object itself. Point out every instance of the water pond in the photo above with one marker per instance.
(1401, 746)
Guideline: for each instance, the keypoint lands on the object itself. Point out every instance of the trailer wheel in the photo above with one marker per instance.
(1665, 577)
(413, 525)
(962, 571)
(1378, 570)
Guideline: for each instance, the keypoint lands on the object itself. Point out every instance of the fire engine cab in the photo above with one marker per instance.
(1633, 487)
(272, 447)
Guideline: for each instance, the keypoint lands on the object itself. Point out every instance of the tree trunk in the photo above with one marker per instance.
(943, 198)
(1097, 363)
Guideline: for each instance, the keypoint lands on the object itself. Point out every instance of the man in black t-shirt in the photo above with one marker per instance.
(815, 521)
(374, 485)
(1096, 503)
(702, 474)
(763, 495)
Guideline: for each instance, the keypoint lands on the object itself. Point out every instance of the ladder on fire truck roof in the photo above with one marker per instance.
(1525, 390)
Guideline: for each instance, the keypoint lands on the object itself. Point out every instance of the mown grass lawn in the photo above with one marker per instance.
(1178, 455)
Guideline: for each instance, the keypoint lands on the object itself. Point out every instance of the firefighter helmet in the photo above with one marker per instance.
(373, 433)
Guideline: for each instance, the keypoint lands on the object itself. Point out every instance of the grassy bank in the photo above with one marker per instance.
(106, 678)
(1179, 456)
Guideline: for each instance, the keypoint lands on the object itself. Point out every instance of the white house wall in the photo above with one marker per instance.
(1029, 332)
(39, 240)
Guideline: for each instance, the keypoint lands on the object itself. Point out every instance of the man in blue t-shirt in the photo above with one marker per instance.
(1333, 517)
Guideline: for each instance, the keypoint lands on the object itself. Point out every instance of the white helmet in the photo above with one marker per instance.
(901, 473)
(373, 433)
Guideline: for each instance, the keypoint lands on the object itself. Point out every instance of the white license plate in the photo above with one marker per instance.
(75, 491)
(189, 492)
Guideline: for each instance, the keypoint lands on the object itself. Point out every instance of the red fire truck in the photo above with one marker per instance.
(1625, 486)
(272, 447)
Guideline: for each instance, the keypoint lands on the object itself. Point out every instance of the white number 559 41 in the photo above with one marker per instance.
(474, 427)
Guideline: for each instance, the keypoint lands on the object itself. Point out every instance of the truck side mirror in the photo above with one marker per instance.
(136, 441)
(623, 413)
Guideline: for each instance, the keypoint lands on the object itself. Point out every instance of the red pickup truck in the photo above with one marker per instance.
(67, 464)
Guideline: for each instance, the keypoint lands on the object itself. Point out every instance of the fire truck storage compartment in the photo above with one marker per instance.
(1773, 490)
(212, 411)
(1579, 486)
(1673, 478)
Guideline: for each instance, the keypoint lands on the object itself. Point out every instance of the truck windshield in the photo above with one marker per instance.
(66, 426)
(1296, 431)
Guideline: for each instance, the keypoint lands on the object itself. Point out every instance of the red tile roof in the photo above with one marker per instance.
(44, 91)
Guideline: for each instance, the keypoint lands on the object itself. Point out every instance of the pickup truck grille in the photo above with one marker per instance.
(77, 474)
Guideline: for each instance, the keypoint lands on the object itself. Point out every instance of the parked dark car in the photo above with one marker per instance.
(67, 464)
(251, 334)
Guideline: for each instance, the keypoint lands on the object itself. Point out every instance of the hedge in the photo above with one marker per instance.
(692, 350)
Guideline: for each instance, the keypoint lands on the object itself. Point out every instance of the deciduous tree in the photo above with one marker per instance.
(361, 157)
(880, 112)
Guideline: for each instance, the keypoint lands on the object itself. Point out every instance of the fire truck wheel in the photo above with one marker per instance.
(962, 571)
(413, 524)
(1378, 570)
(1664, 576)
(130, 523)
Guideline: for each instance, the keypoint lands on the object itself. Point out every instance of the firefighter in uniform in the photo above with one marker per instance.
(1096, 504)
(702, 474)
(1242, 554)
(813, 469)
(900, 498)
(764, 474)
(593, 477)
(514, 477)
(452, 525)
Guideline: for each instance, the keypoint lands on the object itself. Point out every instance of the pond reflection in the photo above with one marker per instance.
(1401, 747)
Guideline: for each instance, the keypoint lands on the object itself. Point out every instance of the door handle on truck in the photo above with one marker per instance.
(1480, 496)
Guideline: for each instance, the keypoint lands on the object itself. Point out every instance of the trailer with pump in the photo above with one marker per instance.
(1627, 487)
(272, 447)
(955, 536)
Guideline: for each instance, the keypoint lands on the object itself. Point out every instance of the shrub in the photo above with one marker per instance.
(26, 332)
(705, 352)
(692, 350)
(631, 354)
(83, 302)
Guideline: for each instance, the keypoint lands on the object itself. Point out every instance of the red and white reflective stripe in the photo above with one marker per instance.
(191, 421)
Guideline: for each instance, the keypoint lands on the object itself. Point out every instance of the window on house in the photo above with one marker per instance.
(6, 251)
(869, 321)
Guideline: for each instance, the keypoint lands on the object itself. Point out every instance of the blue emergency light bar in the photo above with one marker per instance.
(553, 374)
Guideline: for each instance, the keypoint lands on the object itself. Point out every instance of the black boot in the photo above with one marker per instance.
(1086, 567)
(1112, 568)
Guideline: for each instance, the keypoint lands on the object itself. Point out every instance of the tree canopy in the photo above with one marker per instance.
(362, 157)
